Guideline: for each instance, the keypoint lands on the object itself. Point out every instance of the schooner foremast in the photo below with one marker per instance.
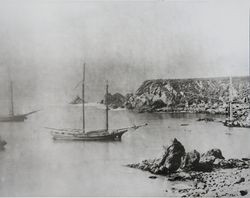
(83, 101)
(11, 99)
(107, 107)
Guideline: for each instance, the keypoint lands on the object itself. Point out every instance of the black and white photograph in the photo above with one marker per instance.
(119, 98)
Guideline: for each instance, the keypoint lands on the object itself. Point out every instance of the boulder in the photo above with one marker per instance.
(208, 160)
(213, 152)
(152, 177)
(115, 101)
(243, 192)
(240, 180)
(174, 153)
(219, 162)
(190, 161)
(2, 143)
(168, 162)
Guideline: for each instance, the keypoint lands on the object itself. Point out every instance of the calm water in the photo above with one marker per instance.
(35, 165)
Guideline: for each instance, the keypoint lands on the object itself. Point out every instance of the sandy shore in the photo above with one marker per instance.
(219, 183)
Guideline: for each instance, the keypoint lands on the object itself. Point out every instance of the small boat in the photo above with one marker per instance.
(16, 118)
(96, 135)
(12, 117)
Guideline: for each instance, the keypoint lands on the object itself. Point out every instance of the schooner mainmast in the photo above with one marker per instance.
(11, 110)
(107, 107)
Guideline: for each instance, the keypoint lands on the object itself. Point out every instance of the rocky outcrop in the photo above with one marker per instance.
(241, 118)
(190, 95)
(190, 161)
(115, 101)
(76, 100)
(207, 159)
(168, 162)
(2, 144)
(213, 153)
(174, 158)
(173, 154)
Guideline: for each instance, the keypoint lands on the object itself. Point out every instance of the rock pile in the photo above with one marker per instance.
(169, 161)
(175, 158)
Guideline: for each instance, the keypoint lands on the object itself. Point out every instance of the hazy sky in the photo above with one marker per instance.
(46, 42)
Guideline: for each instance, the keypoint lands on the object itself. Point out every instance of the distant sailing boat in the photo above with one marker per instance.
(96, 135)
(229, 121)
(12, 117)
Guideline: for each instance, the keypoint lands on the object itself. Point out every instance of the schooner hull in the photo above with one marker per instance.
(15, 118)
(114, 136)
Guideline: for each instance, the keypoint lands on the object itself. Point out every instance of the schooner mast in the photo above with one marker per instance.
(107, 107)
(230, 99)
(11, 110)
(83, 101)
(11, 99)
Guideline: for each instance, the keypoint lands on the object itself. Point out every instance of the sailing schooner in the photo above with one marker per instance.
(12, 117)
(230, 120)
(96, 135)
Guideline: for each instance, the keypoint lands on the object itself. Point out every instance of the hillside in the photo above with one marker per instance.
(192, 95)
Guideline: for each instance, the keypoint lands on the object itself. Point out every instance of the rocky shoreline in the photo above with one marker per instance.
(200, 95)
(201, 175)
